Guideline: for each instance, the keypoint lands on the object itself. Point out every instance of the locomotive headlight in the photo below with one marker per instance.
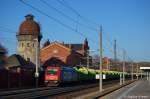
(46, 81)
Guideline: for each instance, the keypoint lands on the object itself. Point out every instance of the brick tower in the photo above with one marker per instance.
(29, 38)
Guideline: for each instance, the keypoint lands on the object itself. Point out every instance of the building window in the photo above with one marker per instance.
(19, 44)
(28, 44)
(22, 44)
(28, 59)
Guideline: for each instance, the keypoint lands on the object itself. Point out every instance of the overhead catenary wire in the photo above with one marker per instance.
(58, 21)
(70, 18)
(6, 29)
(73, 29)
(65, 4)
(7, 38)
(95, 42)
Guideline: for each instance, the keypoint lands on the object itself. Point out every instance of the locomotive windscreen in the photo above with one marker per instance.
(52, 71)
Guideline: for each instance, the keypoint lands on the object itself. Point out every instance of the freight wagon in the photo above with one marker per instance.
(55, 75)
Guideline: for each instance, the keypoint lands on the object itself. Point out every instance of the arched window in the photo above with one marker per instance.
(19, 44)
(22, 44)
(28, 44)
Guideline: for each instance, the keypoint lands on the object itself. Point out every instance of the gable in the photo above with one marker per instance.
(56, 44)
(54, 50)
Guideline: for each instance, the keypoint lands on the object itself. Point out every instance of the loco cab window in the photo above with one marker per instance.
(52, 71)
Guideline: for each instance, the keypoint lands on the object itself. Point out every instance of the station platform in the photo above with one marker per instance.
(137, 90)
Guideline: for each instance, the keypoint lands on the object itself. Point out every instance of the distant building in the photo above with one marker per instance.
(106, 63)
(65, 54)
(16, 62)
(29, 37)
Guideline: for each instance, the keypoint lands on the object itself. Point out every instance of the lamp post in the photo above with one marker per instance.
(137, 71)
(37, 63)
(148, 77)
(88, 58)
(132, 71)
(120, 79)
(100, 66)
(124, 66)
(141, 74)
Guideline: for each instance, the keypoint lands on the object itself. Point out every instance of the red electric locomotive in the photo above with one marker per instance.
(54, 75)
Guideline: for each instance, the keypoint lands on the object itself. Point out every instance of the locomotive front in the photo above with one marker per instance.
(52, 76)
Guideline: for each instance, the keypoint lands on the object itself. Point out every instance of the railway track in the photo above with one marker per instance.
(39, 92)
(49, 92)
(6, 94)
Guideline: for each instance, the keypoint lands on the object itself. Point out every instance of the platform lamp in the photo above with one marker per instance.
(37, 63)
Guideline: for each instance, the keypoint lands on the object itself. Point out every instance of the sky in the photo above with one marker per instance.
(71, 21)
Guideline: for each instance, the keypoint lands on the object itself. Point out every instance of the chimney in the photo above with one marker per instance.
(29, 17)
(86, 46)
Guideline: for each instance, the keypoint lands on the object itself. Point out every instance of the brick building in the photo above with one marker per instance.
(28, 47)
(64, 54)
(106, 63)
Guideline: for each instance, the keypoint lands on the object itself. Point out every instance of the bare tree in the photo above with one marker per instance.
(3, 53)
